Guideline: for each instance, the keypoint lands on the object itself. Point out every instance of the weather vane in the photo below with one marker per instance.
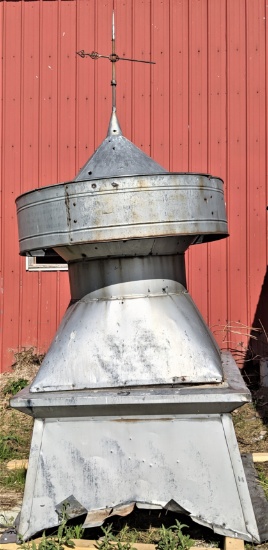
(113, 57)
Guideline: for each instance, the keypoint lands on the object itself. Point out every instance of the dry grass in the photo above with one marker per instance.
(251, 432)
(15, 428)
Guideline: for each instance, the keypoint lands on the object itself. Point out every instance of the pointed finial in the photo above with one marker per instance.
(113, 60)
(113, 28)
(114, 126)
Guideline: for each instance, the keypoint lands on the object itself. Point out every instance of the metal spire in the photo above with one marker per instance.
(114, 126)
(113, 81)
(116, 155)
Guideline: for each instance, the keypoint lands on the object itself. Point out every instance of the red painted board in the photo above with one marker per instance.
(236, 181)
(160, 48)
(256, 149)
(86, 120)
(141, 76)
(30, 110)
(47, 77)
(11, 177)
(217, 159)
(67, 60)
(198, 135)
(179, 86)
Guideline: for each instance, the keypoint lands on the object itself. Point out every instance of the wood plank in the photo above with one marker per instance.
(17, 464)
(233, 544)
(260, 457)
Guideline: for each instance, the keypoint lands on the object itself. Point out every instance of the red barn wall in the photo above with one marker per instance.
(202, 107)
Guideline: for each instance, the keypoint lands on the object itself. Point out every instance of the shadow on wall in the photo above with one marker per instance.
(258, 348)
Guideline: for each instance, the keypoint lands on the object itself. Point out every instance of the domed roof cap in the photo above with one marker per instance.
(117, 156)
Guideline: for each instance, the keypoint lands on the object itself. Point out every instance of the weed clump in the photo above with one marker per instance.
(170, 538)
(62, 538)
(109, 541)
(14, 386)
(173, 538)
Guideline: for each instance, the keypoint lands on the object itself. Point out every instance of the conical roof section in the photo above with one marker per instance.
(117, 156)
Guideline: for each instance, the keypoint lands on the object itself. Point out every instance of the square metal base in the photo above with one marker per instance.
(184, 463)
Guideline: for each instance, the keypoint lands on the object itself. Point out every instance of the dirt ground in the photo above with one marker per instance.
(250, 422)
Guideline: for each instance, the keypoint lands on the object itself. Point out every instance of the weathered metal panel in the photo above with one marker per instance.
(222, 397)
(130, 334)
(233, 110)
(112, 158)
(123, 208)
(112, 468)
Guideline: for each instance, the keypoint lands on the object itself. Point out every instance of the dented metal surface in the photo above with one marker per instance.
(110, 462)
(121, 208)
(131, 334)
(112, 157)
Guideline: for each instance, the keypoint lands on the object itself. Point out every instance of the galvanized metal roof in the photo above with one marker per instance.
(117, 156)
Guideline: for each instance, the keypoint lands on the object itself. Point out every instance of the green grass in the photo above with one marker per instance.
(170, 538)
(15, 478)
(10, 447)
(173, 538)
(14, 386)
(263, 479)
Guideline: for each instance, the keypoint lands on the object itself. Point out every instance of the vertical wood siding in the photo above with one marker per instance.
(202, 107)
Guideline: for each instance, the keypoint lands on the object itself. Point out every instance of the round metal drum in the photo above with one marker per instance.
(121, 209)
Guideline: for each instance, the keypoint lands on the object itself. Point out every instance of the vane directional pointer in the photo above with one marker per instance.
(113, 57)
